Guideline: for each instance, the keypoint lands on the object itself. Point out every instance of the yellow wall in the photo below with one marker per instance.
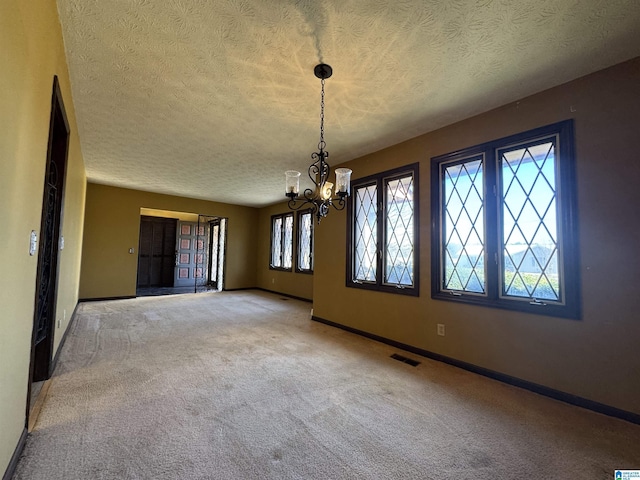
(291, 283)
(595, 357)
(112, 227)
(31, 53)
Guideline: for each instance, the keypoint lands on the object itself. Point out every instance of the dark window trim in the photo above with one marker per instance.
(568, 221)
(298, 233)
(380, 179)
(273, 218)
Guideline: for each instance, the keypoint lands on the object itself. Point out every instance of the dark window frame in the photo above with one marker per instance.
(380, 180)
(569, 259)
(299, 269)
(282, 216)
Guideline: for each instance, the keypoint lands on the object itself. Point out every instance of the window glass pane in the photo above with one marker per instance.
(399, 206)
(304, 241)
(463, 227)
(365, 233)
(530, 230)
(276, 242)
(287, 253)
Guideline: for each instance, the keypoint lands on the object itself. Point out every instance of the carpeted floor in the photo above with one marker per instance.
(242, 385)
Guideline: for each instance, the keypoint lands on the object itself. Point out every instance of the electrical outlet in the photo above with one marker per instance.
(273, 280)
(441, 329)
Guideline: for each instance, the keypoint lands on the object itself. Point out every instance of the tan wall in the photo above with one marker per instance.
(112, 227)
(595, 357)
(290, 283)
(31, 53)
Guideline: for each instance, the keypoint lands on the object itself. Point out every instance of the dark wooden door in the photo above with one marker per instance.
(50, 229)
(156, 252)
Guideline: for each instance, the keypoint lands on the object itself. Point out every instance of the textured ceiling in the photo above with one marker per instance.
(216, 99)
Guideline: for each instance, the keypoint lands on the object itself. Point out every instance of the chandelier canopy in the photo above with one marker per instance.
(319, 199)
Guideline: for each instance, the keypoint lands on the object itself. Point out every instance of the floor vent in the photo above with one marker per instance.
(410, 361)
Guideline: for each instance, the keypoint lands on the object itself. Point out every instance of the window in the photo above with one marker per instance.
(504, 224)
(304, 254)
(282, 241)
(383, 226)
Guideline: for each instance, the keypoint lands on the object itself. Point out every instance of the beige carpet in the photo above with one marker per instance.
(242, 385)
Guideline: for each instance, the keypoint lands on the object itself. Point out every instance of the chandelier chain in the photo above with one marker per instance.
(321, 145)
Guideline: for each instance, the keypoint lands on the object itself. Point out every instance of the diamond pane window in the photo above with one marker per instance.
(366, 233)
(399, 232)
(530, 230)
(305, 242)
(383, 232)
(276, 243)
(504, 230)
(281, 241)
(463, 227)
(287, 254)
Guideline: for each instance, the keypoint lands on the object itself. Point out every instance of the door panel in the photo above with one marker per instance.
(156, 252)
(192, 243)
(144, 252)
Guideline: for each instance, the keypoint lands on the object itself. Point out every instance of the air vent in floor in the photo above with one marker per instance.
(410, 361)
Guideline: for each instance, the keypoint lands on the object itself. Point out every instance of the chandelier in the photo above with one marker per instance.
(319, 199)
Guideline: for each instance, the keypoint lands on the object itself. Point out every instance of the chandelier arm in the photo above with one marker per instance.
(293, 204)
(309, 195)
(338, 203)
(326, 168)
(314, 170)
(320, 167)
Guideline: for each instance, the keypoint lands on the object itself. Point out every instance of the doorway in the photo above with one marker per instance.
(194, 256)
(51, 242)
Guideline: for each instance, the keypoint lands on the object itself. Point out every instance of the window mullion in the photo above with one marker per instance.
(493, 224)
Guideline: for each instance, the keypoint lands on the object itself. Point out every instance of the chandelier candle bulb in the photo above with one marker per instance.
(325, 193)
(343, 180)
(292, 182)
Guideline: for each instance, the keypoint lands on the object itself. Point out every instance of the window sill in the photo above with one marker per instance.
(410, 291)
(280, 269)
(524, 306)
